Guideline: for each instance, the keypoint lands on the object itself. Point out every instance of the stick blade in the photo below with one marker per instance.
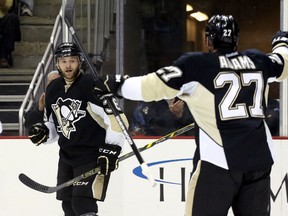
(34, 185)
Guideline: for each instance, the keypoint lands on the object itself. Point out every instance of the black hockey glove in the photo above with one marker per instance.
(109, 84)
(38, 133)
(108, 158)
(280, 39)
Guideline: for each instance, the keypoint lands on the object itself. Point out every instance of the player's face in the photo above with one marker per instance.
(69, 66)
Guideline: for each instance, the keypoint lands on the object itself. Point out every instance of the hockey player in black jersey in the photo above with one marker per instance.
(225, 91)
(87, 133)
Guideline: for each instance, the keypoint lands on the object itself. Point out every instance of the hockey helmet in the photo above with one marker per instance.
(222, 31)
(68, 49)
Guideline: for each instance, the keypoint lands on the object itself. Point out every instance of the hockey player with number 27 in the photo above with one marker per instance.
(225, 91)
(86, 130)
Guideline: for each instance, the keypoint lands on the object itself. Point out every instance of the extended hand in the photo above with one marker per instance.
(109, 84)
(177, 107)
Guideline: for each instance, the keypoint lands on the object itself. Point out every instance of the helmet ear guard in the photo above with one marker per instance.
(222, 31)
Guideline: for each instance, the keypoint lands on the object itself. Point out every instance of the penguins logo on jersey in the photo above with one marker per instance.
(67, 113)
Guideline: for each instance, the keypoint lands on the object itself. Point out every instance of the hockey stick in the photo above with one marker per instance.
(46, 189)
(112, 103)
(100, 56)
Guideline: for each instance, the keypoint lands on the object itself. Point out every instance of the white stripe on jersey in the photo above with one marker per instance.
(270, 141)
(210, 151)
(147, 88)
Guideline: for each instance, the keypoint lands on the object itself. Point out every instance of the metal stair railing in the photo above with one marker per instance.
(37, 84)
(98, 34)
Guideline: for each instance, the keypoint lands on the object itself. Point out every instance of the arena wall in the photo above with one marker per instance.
(129, 192)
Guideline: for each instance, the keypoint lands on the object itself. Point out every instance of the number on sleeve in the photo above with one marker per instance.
(169, 72)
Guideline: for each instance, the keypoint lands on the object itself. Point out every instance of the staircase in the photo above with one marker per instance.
(15, 81)
(36, 32)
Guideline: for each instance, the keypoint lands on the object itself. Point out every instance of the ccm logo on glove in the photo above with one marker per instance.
(108, 158)
(108, 151)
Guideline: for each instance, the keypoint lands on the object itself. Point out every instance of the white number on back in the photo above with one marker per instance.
(227, 108)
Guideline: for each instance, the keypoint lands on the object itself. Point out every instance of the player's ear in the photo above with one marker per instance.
(81, 60)
(56, 64)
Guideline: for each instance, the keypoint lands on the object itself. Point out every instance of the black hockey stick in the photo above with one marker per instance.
(112, 103)
(46, 189)
(100, 56)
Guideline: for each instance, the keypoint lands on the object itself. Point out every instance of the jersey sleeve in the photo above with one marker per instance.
(53, 135)
(280, 57)
(103, 115)
(152, 87)
(107, 120)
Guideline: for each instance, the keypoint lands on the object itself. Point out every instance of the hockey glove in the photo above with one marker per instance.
(38, 133)
(108, 158)
(109, 84)
(280, 39)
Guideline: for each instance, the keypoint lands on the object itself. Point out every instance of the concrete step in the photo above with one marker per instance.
(10, 105)
(25, 48)
(16, 75)
(13, 89)
(28, 62)
(10, 116)
(46, 8)
(10, 129)
(37, 20)
(41, 28)
(11, 98)
(28, 54)
(41, 33)
(10, 126)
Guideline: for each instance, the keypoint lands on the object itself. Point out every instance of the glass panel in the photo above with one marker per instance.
(159, 31)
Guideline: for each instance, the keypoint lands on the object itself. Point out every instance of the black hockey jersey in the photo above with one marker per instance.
(226, 94)
(76, 119)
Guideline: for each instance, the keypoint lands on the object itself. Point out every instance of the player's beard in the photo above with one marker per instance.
(70, 74)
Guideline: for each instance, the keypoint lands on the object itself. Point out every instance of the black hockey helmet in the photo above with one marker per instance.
(68, 49)
(222, 31)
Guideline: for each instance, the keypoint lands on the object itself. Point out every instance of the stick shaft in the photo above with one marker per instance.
(46, 189)
(68, 19)
(160, 140)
